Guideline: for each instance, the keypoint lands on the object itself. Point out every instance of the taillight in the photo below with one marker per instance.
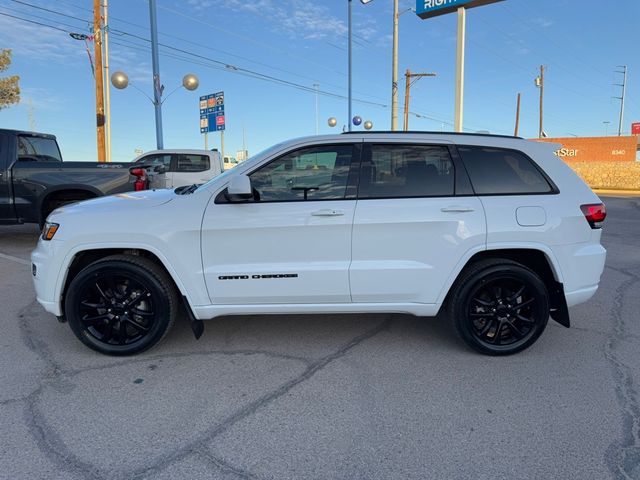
(141, 179)
(595, 214)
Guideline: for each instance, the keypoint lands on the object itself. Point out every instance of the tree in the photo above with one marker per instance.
(9, 88)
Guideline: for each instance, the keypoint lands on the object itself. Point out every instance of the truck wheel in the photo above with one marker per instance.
(121, 305)
(499, 307)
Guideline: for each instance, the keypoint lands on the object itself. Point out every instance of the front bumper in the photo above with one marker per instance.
(46, 263)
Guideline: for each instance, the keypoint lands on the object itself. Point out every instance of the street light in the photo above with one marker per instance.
(120, 80)
(357, 121)
(606, 128)
(364, 2)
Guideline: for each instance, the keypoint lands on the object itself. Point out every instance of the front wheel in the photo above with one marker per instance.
(121, 305)
(499, 307)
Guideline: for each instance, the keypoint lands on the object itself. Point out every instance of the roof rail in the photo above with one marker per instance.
(431, 133)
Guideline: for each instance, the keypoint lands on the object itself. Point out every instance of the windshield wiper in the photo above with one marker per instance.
(187, 190)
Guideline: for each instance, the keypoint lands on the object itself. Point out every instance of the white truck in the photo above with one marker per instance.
(183, 167)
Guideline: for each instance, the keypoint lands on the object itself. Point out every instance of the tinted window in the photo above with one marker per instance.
(495, 170)
(407, 171)
(156, 160)
(38, 149)
(318, 173)
(192, 163)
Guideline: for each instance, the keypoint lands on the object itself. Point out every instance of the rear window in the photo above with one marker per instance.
(38, 149)
(192, 163)
(501, 171)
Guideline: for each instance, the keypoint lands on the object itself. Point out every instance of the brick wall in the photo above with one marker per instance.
(602, 162)
(609, 175)
(596, 149)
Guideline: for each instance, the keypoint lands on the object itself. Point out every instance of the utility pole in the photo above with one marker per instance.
(107, 76)
(462, 28)
(394, 69)
(407, 92)
(515, 133)
(157, 85)
(99, 81)
(350, 65)
(624, 90)
(540, 85)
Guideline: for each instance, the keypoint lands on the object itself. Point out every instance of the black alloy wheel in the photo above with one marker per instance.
(121, 305)
(500, 307)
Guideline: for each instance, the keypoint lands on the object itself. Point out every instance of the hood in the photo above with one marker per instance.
(119, 202)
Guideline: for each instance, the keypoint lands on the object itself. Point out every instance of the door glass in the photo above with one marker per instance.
(318, 173)
(397, 171)
(192, 163)
(156, 160)
(37, 149)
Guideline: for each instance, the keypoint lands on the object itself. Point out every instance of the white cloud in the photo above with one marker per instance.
(293, 18)
(36, 43)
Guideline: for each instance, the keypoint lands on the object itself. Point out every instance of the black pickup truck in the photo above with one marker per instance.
(34, 180)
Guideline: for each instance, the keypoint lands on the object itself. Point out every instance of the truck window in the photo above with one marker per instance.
(192, 163)
(38, 149)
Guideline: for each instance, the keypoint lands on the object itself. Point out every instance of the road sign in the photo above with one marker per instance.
(635, 128)
(212, 118)
(433, 8)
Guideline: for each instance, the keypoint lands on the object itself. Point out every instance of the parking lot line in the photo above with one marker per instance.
(15, 259)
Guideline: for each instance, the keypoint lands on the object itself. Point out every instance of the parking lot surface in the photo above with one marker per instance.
(325, 396)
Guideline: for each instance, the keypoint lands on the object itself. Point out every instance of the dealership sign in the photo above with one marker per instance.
(433, 8)
(635, 128)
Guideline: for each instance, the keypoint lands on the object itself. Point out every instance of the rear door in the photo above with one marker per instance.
(415, 220)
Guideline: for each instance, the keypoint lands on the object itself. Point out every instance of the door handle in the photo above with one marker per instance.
(456, 209)
(327, 212)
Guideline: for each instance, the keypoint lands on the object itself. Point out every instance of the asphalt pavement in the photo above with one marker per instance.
(325, 396)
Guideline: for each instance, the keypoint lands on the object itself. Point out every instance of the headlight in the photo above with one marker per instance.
(49, 230)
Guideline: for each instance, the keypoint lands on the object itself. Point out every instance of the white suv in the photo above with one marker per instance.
(498, 229)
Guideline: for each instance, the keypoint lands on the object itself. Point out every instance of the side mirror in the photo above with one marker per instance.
(239, 189)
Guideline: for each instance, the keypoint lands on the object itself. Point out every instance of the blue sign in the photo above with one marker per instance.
(212, 118)
(434, 8)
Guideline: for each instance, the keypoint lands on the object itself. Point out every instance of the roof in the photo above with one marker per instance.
(418, 132)
(24, 132)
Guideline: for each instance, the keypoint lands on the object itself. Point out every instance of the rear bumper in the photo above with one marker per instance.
(582, 265)
(580, 296)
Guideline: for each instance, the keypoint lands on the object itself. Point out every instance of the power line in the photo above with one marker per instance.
(219, 65)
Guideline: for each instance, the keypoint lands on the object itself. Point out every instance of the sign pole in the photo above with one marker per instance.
(206, 141)
(222, 144)
(459, 112)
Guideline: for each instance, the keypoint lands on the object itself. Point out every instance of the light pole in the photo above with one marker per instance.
(120, 80)
(364, 2)
(606, 128)
(394, 70)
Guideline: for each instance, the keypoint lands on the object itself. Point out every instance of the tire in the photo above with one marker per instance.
(121, 305)
(499, 307)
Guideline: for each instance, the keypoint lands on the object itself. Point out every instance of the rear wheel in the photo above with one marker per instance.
(121, 305)
(499, 307)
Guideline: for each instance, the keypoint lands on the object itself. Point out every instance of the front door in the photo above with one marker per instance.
(292, 242)
(410, 229)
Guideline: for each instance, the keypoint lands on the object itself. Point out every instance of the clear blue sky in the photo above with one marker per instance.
(304, 42)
